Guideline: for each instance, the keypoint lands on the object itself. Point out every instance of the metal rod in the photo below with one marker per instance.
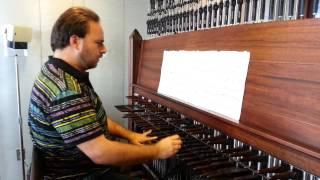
(21, 147)
(19, 113)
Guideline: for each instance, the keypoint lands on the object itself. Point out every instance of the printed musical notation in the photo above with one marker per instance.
(213, 81)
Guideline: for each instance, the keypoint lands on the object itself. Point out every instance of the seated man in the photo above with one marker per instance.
(68, 123)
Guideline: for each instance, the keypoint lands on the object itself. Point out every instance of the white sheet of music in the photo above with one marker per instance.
(213, 81)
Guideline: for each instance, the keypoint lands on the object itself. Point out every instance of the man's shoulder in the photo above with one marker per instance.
(57, 82)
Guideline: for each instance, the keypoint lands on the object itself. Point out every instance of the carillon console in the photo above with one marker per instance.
(277, 136)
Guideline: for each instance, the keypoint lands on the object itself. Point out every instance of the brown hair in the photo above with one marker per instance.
(74, 21)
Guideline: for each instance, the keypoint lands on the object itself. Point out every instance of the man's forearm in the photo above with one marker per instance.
(103, 151)
(117, 130)
(129, 154)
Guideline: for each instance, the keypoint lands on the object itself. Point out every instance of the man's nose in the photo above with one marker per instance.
(104, 50)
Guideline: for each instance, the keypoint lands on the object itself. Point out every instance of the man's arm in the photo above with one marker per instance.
(133, 137)
(103, 151)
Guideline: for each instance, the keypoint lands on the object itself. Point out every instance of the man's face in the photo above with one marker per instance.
(92, 47)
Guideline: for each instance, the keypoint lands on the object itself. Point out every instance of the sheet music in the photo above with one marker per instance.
(213, 81)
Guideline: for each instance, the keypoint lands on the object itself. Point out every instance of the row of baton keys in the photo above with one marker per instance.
(202, 161)
(197, 155)
(206, 152)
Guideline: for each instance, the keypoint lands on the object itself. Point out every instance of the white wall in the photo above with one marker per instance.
(24, 13)
(118, 17)
(135, 18)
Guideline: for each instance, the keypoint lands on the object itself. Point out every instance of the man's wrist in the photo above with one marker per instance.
(129, 135)
(157, 151)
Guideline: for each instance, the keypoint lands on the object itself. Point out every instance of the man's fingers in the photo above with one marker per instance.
(175, 137)
(152, 138)
(177, 146)
(177, 142)
(147, 132)
(176, 149)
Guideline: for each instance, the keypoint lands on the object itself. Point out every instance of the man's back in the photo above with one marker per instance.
(64, 111)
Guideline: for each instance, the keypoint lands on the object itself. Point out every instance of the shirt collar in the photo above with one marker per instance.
(82, 76)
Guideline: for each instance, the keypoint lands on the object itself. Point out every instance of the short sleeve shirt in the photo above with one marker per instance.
(65, 111)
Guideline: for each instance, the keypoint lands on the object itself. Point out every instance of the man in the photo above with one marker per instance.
(68, 123)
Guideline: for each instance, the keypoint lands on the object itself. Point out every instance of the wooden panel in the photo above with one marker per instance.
(276, 42)
(293, 71)
(284, 109)
(135, 48)
(282, 94)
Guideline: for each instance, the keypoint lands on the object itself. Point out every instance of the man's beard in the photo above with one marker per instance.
(86, 64)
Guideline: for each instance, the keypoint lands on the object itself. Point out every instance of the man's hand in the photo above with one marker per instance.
(139, 139)
(169, 146)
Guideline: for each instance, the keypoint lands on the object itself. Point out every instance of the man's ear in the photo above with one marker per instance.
(74, 41)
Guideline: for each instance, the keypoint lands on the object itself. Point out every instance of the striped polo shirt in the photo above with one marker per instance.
(65, 111)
